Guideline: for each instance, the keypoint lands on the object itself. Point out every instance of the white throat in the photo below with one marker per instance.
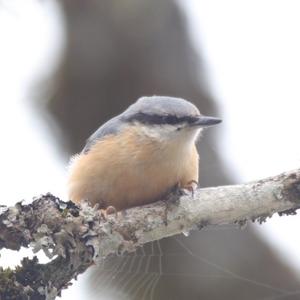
(186, 136)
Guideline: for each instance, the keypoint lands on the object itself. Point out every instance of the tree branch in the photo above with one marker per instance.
(76, 237)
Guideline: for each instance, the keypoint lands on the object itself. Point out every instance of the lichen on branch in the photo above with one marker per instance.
(75, 237)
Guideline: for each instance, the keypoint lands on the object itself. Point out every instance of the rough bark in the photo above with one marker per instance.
(76, 237)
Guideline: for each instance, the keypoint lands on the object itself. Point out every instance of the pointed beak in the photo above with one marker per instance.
(204, 121)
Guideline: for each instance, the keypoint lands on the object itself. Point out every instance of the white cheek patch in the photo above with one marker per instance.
(165, 133)
(158, 132)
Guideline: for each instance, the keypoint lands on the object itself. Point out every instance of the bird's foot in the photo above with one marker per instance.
(176, 192)
(190, 187)
(110, 210)
(184, 190)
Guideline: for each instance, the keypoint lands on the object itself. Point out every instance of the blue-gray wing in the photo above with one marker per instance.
(113, 126)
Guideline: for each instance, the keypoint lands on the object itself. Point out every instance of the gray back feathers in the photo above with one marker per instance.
(110, 127)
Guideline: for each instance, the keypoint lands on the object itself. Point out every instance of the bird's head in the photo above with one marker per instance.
(167, 118)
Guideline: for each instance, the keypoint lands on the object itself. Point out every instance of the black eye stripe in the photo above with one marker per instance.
(160, 119)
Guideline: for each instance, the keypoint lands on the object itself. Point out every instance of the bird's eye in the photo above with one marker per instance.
(178, 129)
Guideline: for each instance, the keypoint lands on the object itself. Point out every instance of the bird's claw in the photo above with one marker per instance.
(108, 211)
(176, 192)
(185, 190)
(191, 187)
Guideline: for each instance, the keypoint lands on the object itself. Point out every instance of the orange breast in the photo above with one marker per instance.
(124, 171)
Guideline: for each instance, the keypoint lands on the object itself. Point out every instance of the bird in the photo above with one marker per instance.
(140, 155)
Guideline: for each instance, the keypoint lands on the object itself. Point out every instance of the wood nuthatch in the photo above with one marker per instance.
(138, 156)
